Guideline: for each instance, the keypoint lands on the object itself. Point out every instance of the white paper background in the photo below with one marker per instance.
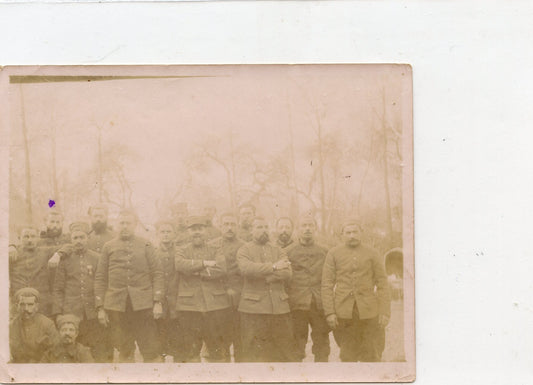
(473, 97)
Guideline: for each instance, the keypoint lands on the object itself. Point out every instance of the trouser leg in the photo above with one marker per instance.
(191, 325)
(216, 334)
(282, 338)
(319, 334)
(120, 326)
(367, 331)
(97, 338)
(145, 333)
(300, 323)
(346, 338)
(236, 335)
(254, 337)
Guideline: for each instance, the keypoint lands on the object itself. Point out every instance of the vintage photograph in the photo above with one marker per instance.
(183, 216)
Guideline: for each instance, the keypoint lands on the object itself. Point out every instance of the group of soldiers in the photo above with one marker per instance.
(202, 290)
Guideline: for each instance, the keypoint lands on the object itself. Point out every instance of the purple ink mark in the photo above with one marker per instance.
(51, 203)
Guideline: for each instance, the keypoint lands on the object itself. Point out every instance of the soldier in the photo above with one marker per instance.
(73, 292)
(307, 259)
(67, 350)
(166, 253)
(52, 239)
(30, 268)
(284, 229)
(53, 236)
(355, 296)
(128, 291)
(179, 215)
(101, 232)
(246, 215)
(30, 333)
(211, 232)
(203, 304)
(228, 245)
(265, 314)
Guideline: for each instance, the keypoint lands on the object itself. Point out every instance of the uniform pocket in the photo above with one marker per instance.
(219, 292)
(251, 296)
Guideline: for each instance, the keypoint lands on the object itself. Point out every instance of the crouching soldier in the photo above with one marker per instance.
(67, 350)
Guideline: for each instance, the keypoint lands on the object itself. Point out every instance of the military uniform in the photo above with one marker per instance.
(228, 248)
(52, 244)
(29, 339)
(67, 354)
(307, 261)
(203, 304)
(73, 293)
(167, 326)
(30, 269)
(244, 233)
(265, 314)
(355, 288)
(282, 245)
(128, 281)
(97, 240)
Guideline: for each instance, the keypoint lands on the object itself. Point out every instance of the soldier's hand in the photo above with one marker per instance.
(209, 263)
(158, 310)
(66, 249)
(13, 253)
(332, 321)
(54, 261)
(282, 264)
(383, 320)
(102, 317)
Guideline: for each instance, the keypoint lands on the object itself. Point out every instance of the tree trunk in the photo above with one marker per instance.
(27, 165)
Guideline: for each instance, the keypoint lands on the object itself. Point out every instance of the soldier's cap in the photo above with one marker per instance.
(351, 222)
(68, 318)
(98, 206)
(27, 292)
(196, 220)
(162, 222)
(79, 226)
(128, 212)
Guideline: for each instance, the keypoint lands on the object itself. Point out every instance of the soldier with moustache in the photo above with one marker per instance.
(167, 325)
(30, 333)
(30, 269)
(284, 230)
(67, 350)
(203, 305)
(100, 231)
(246, 216)
(266, 325)
(307, 260)
(129, 290)
(355, 296)
(228, 245)
(73, 292)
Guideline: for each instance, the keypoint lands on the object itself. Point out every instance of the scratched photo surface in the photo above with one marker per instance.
(212, 223)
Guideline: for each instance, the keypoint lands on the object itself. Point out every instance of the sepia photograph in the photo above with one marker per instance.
(209, 223)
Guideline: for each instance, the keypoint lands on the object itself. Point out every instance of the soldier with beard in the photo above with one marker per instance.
(203, 304)
(30, 269)
(167, 326)
(246, 215)
(67, 350)
(73, 292)
(284, 229)
(101, 232)
(128, 290)
(228, 245)
(53, 236)
(355, 296)
(30, 333)
(266, 324)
